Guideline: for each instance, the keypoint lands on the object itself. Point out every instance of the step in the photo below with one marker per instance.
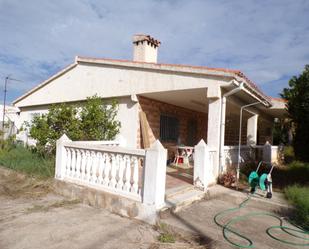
(177, 202)
(171, 192)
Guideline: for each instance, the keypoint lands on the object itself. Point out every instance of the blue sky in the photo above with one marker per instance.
(266, 39)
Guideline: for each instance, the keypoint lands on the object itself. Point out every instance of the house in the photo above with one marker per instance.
(159, 104)
(177, 104)
(10, 116)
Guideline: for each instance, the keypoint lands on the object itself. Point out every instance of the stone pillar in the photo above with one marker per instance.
(155, 175)
(203, 167)
(252, 126)
(61, 156)
(213, 132)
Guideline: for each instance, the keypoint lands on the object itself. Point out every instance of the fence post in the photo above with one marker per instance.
(267, 152)
(155, 175)
(202, 173)
(61, 156)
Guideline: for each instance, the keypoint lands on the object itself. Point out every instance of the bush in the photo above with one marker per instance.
(24, 160)
(94, 120)
(228, 179)
(295, 172)
(299, 197)
(297, 96)
(288, 153)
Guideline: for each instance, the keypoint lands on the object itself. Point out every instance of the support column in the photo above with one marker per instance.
(213, 132)
(252, 126)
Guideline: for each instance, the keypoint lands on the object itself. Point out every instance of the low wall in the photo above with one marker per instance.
(113, 203)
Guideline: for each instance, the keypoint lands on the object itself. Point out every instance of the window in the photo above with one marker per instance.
(169, 128)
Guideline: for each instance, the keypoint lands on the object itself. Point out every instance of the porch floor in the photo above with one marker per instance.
(176, 177)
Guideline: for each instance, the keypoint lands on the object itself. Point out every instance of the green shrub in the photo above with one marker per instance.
(92, 120)
(295, 172)
(288, 153)
(299, 197)
(24, 160)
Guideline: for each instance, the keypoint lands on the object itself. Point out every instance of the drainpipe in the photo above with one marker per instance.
(239, 138)
(222, 122)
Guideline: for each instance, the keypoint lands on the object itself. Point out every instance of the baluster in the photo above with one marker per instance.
(83, 165)
(127, 184)
(107, 169)
(113, 171)
(78, 163)
(120, 171)
(73, 162)
(88, 166)
(94, 167)
(134, 188)
(68, 164)
(101, 168)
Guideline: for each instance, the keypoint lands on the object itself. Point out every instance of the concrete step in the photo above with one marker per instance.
(183, 198)
(171, 192)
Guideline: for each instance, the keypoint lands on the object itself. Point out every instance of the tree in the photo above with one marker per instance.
(93, 120)
(297, 96)
(98, 120)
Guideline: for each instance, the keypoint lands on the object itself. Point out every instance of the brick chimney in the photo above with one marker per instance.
(145, 48)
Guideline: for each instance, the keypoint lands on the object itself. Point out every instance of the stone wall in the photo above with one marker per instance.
(153, 109)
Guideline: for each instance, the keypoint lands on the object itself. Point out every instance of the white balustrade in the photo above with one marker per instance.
(112, 169)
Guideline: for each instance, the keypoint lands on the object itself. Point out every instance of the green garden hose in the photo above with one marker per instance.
(226, 228)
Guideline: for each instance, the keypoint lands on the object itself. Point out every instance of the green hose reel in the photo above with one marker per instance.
(256, 181)
(264, 182)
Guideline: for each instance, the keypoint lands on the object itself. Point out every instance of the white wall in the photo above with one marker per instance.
(127, 115)
(110, 81)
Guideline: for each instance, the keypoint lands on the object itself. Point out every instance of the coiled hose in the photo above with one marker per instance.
(226, 228)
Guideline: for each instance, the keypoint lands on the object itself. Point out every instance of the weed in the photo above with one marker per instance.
(22, 159)
(166, 235)
(166, 238)
(299, 197)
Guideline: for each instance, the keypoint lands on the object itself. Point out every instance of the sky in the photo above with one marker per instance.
(268, 40)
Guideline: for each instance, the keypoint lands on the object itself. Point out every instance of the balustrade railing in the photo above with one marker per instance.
(112, 169)
(132, 173)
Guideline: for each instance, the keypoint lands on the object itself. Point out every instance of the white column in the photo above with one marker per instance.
(203, 168)
(213, 132)
(61, 157)
(252, 126)
(155, 175)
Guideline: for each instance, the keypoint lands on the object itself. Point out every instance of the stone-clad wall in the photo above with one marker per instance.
(153, 109)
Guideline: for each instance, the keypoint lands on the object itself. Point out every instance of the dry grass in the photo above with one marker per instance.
(57, 204)
(16, 185)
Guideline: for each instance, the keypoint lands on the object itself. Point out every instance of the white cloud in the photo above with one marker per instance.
(267, 40)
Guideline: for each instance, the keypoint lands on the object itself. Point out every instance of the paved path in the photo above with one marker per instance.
(31, 216)
(199, 218)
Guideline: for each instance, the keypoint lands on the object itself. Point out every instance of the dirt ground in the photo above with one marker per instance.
(32, 216)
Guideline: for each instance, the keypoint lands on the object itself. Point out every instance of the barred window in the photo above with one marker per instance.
(169, 128)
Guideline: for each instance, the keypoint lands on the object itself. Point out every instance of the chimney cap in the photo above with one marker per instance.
(142, 37)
